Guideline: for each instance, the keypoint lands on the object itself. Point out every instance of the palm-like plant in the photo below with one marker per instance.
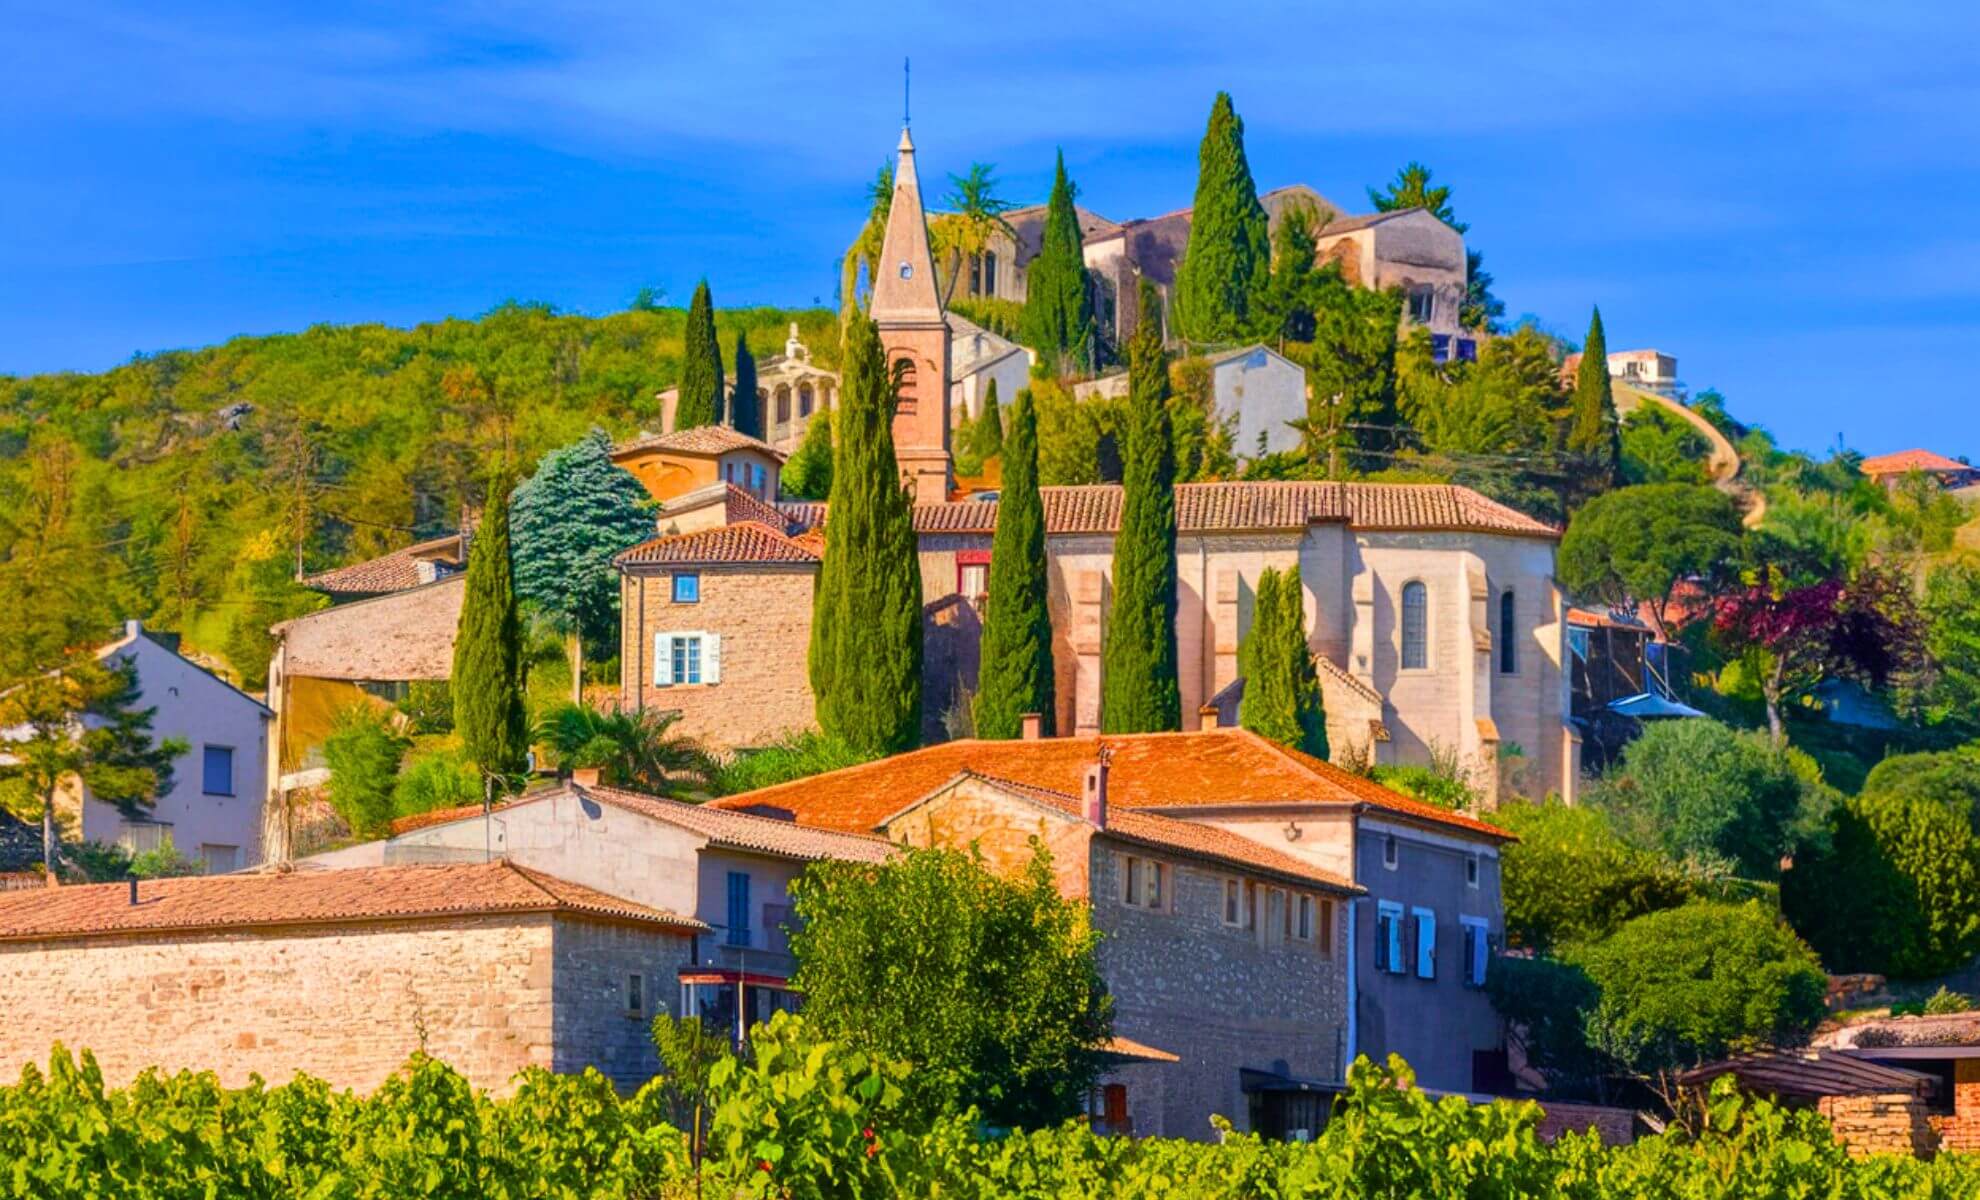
(865, 249)
(629, 749)
(976, 213)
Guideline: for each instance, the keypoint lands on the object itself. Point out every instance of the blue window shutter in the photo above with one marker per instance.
(217, 771)
(739, 908)
(1426, 944)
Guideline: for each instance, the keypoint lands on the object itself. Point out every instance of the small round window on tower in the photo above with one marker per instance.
(907, 270)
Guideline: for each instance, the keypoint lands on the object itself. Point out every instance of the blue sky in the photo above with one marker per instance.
(1785, 196)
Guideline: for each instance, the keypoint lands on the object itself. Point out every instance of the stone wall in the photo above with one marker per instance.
(595, 1023)
(347, 1003)
(1887, 1124)
(763, 615)
(1960, 1130)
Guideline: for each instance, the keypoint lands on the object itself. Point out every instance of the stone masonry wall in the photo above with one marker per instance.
(763, 615)
(594, 1025)
(1220, 997)
(1890, 1124)
(346, 1003)
(1961, 1130)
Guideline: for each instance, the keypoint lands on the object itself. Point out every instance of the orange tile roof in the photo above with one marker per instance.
(394, 572)
(1910, 460)
(746, 542)
(1186, 837)
(359, 894)
(1169, 771)
(702, 440)
(1235, 507)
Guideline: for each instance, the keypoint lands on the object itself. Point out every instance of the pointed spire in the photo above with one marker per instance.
(905, 293)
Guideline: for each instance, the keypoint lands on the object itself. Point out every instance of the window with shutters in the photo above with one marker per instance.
(1415, 626)
(1477, 950)
(1426, 943)
(1389, 937)
(686, 658)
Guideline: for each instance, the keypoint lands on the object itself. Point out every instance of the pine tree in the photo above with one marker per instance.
(1221, 281)
(807, 475)
(488, 651)
(745, 406)
(1058, 307)
(1015, 672)
(1139, 690)
(700, 401)
(1594, 433)
(865, 658)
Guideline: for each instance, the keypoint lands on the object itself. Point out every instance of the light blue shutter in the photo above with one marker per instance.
(663, 660)
(1426, 944)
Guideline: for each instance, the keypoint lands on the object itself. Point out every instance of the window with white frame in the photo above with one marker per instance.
(140, 836)
(1425, 922)
(687, 657)
(1389, 937)
(1234, 903)
(1415, 626)
(1144, 882)
(1477, 949)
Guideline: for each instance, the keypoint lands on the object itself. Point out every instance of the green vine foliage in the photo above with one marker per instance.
(807, 1119)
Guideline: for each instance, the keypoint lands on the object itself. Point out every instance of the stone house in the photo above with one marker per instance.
(1412, 250)
(1889, 469)
(1944, 1048)
(1219, 866)
(344, 974)
(672, 464)
(1434, 618)
(212, 813)
(731, 871)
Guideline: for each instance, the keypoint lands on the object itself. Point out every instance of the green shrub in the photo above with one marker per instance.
(437, 780)
(1945, 1001)
(428, 707)
(1570, 878)
(164, 862)
(363, 755)
(794, 756)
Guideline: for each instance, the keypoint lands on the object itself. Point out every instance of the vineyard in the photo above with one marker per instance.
(803, 1118)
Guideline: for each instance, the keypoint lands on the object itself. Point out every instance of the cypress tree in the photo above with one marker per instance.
(1015, 675)
(745, 406)
(1594, 433)
(488, 649)
(701, 366)
(865, 657)
(988, 434)
(1302, 680)
(1139, 692)
(1058, 307)
(1266, 709)
(1222, 280)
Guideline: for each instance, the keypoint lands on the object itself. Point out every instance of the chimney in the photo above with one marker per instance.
(1207, 717)
(1033, 725)
(1095, 792)
(585, 776)
(133, 891)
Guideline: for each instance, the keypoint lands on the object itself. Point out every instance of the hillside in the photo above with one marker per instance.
(182, 487)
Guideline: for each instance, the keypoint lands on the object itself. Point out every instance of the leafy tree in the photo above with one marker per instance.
(987, 433)
(960, 237)
(164, 861)
(807, 474)
(1697, 789)
(865, 656)
(428, 707)
(1638, 544)
(1078, 440)
(1546, 1004)
(570, 520)
(51, 594)
(988, 985)
(81, 721)
(631, 748)
(269, 595)
(1791, 639)
(745, 406)
(1351, 376)
(701, 398)
(1570, 878)
(1058, 303)
(1593, 432)
(1202, 438)
(433, 781)
(1014, 675)
(1948, 687)
(1222, 279)
(488, 650)
(1281, 690)
(1689, 985)
(689, 1050)
(1658, 447)
(363, 754)
(1139, 689)
(865, 249)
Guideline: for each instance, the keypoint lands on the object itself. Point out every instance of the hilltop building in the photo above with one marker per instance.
(1949, 473)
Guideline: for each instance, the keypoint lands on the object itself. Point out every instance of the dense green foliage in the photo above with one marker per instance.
(702, 391)
(1222, 279)
(865, 655)
(1660, 447)
(1947, 689)
(1139, 688)
(1906, 855)
(745, 406)
(487, 676)
(809, 1120)
(1701, 791)
(435, 780)
(1640, 543)
(987, 983)
(1203, 439)
(793, 756)
(1570, 879)
(630, 748)
(1593, 432)
(1014, 671)
(807, 473)
(569, 520)
(363, 755)
(1058, 300)
(1350, 364)
(981, 440)
(1281, 690)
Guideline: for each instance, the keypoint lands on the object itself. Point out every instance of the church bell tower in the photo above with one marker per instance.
(913, 329)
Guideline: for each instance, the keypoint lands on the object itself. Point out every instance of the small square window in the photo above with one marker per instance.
(687, 587)
(217, 771)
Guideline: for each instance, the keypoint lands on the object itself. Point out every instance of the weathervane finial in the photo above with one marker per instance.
(906, 79)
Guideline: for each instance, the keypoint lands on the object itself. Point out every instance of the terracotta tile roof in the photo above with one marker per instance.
(704, 440)
(1910, 460)
(1173, 772)
(738, 504)
(1185, 837)
(394, 572)
(1812, 1074)
(1128, 1048)
(802, 514)
(747, 542)
(200, 903)
(1209, 507)
(398, 636)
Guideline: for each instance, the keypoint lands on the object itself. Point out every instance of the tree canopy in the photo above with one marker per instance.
(569, 520)
(1570, 878)
(702, 394)
(1638, 544)
(1058, 301)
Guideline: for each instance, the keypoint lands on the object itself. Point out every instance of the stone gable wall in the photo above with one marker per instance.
(593, 1025)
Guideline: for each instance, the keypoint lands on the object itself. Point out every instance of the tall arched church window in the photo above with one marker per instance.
(1415, 626)
(783, 405)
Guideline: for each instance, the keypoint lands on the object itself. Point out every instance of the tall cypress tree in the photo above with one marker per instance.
(488, 648)
(745, 406)
(701, 366)
(1015, 672)
(1139, 692)
(988, 434)
(865, 657)
(1221, 282)
(1594, 433)
(1058, 307)
(1266, 707)
(1302, 680)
